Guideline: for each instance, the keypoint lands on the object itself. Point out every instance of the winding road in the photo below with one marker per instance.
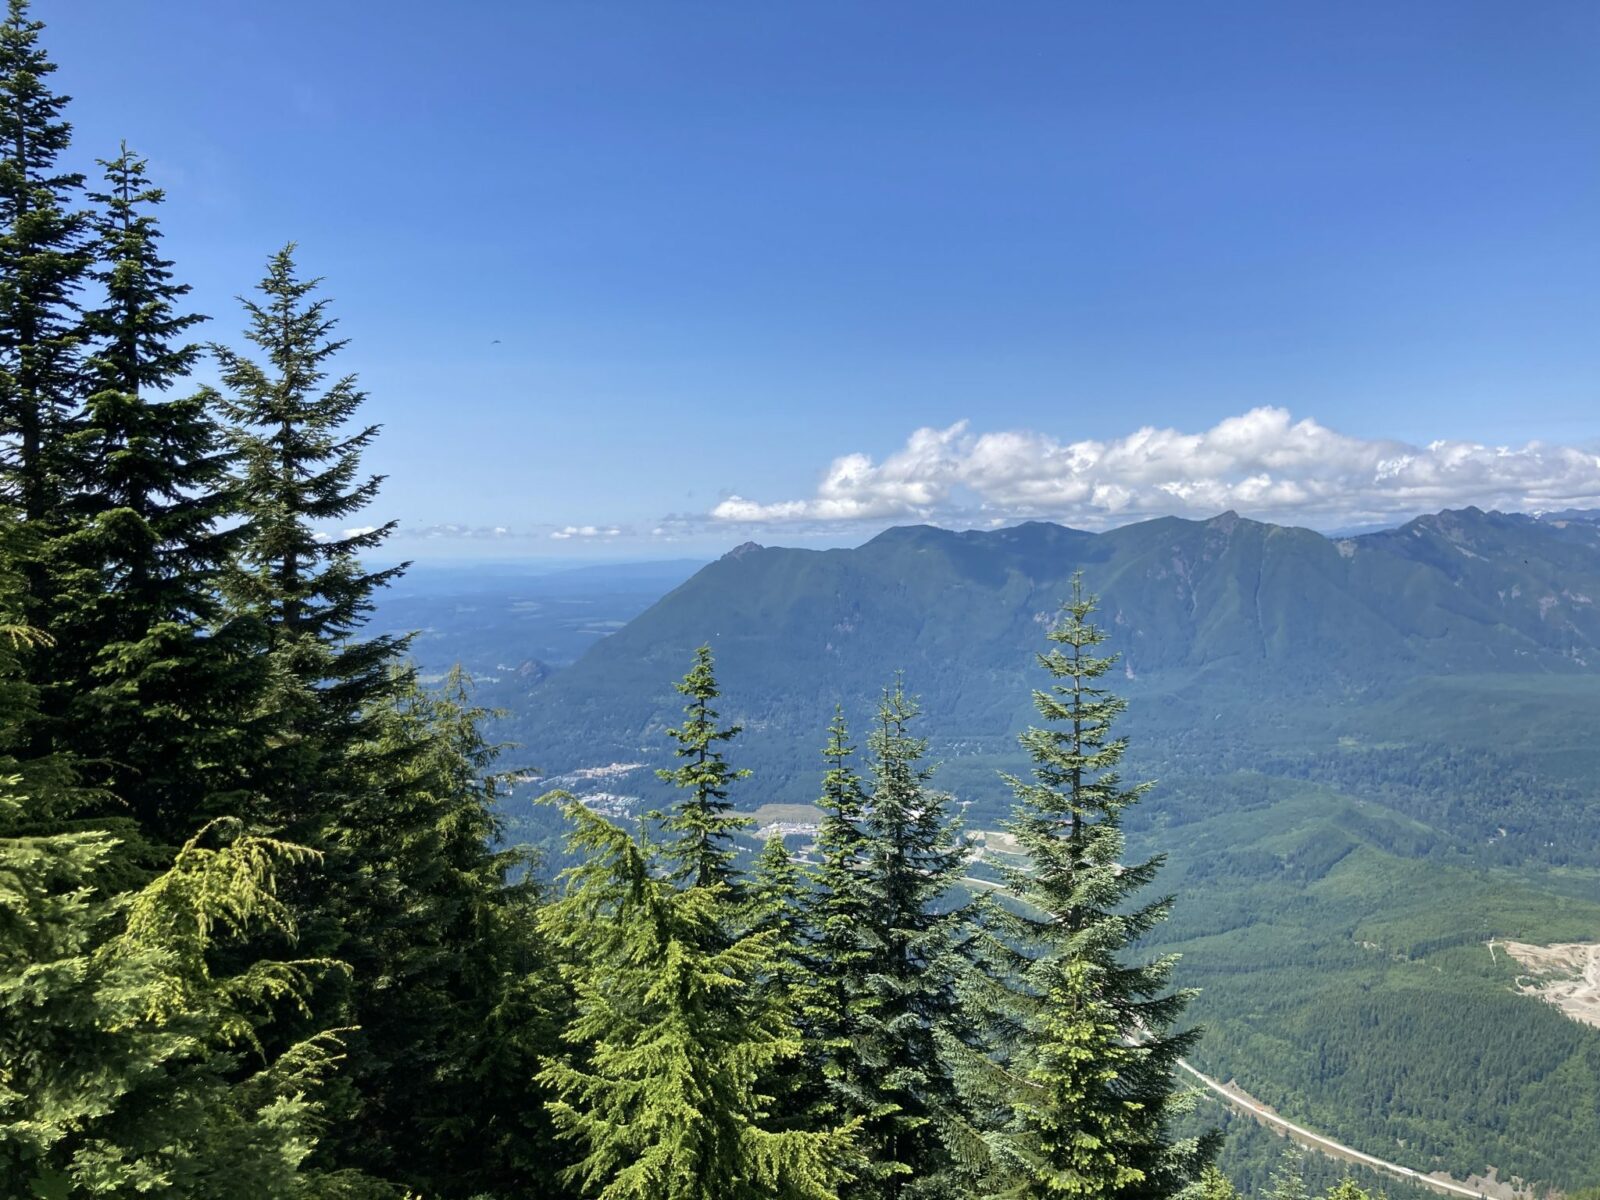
(1315, 1141)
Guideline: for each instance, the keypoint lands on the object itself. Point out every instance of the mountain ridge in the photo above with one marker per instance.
(1227, 608)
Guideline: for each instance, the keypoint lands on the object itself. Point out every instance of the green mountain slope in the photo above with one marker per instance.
(1297, 636)
(1376, 753)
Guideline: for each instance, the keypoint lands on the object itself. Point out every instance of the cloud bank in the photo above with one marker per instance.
(1263, 463)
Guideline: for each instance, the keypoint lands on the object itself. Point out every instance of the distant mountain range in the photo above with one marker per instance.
(1258, 623)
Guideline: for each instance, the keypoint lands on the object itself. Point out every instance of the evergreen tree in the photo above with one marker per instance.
(43, 258)
(701, 826)
(1083, 1057)
(835, 998)
(1214, 1185)
(455, 991)
(150, 691)
(913, 858)
(42, 263)
(774, 909)
(320, 766)
(50, 781)
(128, 1065)
(306, 589)
(670, 1040)
(1288, 1180)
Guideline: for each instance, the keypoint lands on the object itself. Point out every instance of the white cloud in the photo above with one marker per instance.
(586, 531)
(323, 536)
(453, 530)
(1263, 462)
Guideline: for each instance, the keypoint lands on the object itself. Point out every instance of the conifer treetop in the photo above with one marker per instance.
(1080, 1045)
(139, 320)
(300, 469)
(702, 825)
(43, 256)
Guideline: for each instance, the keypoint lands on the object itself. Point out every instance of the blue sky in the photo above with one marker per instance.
(737, 255)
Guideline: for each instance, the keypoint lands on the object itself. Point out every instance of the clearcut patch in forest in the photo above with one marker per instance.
(1566, 975)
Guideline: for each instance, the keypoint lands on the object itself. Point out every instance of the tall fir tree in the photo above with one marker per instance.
(836, 1003)
(913, 859)
(319, 761)
(670, 1041)
(306, 589)
(1080, 1074)
(153, 690)
(700, 829)
(43, 259)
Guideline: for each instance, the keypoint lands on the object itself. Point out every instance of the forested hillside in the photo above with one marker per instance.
(1373, 752)
(1218, 613)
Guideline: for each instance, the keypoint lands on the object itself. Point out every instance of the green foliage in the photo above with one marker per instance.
(299, 467)
(1288, 1182)
(454, 992)
(670, 1040)
(701, 826)
(911, 859)
(126, 1065)
(1080, 1054)
(835, 999)
(774, 909)
(1339, 986)
(145, 685)
(330, 977)
(1214, 1185)
(1316, 709)
(42, 263)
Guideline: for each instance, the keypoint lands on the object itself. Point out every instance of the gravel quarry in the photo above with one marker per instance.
(1566, 974)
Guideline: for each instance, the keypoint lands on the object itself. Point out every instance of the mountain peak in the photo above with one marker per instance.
(744, 548)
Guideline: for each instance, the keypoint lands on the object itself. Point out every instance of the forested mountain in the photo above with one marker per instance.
(1375, 755)
(1220, 614)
